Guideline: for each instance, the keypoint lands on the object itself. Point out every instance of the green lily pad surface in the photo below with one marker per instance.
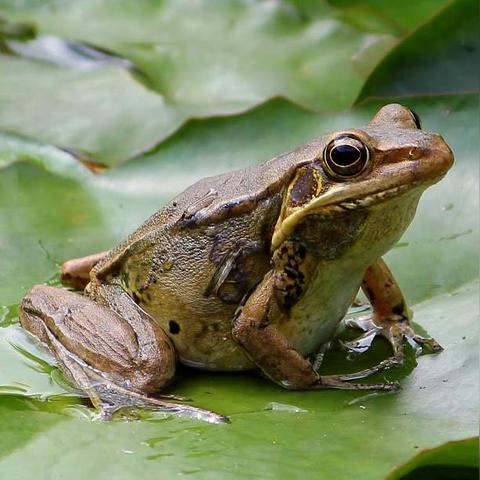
(459, 459)
(52, 208)
(192, 59)
(452, 56)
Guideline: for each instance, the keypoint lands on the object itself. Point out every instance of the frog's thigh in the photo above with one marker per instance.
(121, 343)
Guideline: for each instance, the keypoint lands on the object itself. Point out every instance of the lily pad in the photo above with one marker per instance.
(251, 51)
(452, 55)
(88, 110)
(451, 460)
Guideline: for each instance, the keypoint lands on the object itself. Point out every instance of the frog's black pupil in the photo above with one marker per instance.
(345, 155)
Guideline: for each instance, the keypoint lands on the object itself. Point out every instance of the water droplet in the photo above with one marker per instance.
(283, 407)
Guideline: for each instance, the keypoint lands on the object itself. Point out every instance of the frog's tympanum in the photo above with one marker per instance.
(250, 269)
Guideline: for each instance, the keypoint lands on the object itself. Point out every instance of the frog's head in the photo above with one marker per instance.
(361, 169)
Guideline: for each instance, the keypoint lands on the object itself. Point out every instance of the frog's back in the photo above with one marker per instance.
(221, 194)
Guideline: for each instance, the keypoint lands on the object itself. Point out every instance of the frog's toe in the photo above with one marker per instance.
(422, 344)
(360, 344)
(342, 382)
(361, 323)
(396, 332)
(399, 332)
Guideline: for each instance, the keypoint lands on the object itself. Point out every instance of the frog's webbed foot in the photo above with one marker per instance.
(396, 331)
(390, 318)
(117, 355)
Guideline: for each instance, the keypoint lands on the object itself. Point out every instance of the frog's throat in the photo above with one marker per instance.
(339, 199)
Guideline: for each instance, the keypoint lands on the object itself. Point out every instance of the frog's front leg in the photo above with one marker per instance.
(391, 316)
(254, 328)
(76, 272)
(107, 345)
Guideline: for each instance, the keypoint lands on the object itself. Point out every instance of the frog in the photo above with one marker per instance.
(253, 269)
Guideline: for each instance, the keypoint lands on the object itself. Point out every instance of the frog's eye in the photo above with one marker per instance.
(346, 156)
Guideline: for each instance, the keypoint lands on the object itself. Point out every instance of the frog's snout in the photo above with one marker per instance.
(431, 159)
(441, 155)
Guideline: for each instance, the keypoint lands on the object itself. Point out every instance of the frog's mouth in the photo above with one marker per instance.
(341, 199)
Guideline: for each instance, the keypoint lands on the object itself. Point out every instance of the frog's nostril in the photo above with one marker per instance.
(414, 153)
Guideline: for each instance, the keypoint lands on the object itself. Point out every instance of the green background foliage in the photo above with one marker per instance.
(191, 89)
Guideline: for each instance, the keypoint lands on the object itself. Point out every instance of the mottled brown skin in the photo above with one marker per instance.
(254, 268)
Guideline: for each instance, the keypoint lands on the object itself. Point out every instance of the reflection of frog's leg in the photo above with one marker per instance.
(116, 354)
(255, 330)
(76, 272)
(391, 316)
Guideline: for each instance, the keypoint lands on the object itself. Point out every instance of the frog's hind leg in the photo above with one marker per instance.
(390, 319)
(109, 347)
